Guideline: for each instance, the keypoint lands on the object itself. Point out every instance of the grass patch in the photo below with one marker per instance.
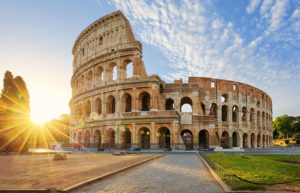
(259, 168)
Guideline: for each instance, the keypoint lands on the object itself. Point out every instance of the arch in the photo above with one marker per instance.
(87, 139)
(225, 140)
(244, 114)
(125, 138)
(224, 113)
(111, 72)
(235, 139)
(144, 134)
(89, 79)
(203, 108)
(258, 118)
(99, 74)
(128, 65)
(111, 138)
(213, 109)
(204, 138)
(164, 138)
(245, 140)
(110, 104)
(79, 138)
(263, 119)
(186, 104)
(252, 114)
(170, 104)
(187, 137)
(126, 103)
(258, 104)
(81, 83)
(235, 113)
(98, 106)
(252, 140)
(97, 140)
(144, 101)
(263, 141)
(87, 109)
(224, 98)
(258, 141)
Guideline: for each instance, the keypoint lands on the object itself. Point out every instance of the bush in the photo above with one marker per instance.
(287, 141)
(296, 136)
(298, 141)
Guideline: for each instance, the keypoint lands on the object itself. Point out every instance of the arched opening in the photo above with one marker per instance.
(213, 109)
(224, 113)
(97, 140)
(79, 111)
(98, 106)
(234, 113)
(252, 140)
(99, 74)
(245, 140)
(187, 137)
(258, 118)
(235, 139)
(161, 88)
(87, 139)
(204, 139)
(110, 104)
(258, 141)
(258, 104)
(126, 103)
(263, 141)
(111, 138)
(203, 108)
(125, 138)
(81, 84)
(144, 101)
(164, 138)
(225, 140)
(128, 68)
(79, 139)
(186, 105)
(144, 134)
(111, 72)
(170, 104)
(252, 112)
(89, 79)
(244, 114)
(263, 119)
(224, 98)
(87, 109)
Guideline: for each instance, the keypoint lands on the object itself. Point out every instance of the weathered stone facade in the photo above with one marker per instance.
(109, 108)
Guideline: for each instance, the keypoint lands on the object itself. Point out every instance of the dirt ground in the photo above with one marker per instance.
(41, 171)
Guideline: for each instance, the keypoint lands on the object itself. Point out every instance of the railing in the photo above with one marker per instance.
(226, 175)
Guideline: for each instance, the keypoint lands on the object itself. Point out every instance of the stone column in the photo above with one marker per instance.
(241, 139)
(153, 145)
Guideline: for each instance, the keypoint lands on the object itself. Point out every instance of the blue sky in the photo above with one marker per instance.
(256, 42)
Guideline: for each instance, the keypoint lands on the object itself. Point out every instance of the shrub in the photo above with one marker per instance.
(287, 141)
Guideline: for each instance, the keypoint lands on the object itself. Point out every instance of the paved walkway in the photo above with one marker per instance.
(171, 173)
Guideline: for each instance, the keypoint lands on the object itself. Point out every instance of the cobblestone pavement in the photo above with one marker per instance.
(171, 173)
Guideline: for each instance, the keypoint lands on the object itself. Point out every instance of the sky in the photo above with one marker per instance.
(255, 42)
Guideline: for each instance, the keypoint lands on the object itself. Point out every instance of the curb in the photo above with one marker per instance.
(217, 178)
(86, 182)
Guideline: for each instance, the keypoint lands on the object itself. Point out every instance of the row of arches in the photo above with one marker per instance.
(84, 110)
(83, 139)
(103, 74)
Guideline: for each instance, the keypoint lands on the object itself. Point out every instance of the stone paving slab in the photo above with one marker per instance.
(171, 173)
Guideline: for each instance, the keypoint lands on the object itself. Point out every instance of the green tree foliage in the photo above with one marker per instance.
(296, 126)
(283, 125)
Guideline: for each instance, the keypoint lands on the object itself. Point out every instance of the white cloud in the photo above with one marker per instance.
(278, 12)
(265, 7)
(252, 5)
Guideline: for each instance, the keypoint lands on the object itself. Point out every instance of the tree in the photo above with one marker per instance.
(283, 125)
(296, 126)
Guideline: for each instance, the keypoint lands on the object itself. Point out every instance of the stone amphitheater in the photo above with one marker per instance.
(116, 104)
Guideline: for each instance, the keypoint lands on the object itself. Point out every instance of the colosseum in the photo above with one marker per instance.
(116, 104)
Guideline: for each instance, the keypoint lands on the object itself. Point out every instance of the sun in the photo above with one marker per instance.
(38, 118)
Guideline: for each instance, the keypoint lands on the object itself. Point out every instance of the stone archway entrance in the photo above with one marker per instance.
(125, 138)
(204, 139)
(97, 140)
(187, 137)
(245, 140)
(234, 139)
(164, 137)
(144, 134)
(225, 140)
